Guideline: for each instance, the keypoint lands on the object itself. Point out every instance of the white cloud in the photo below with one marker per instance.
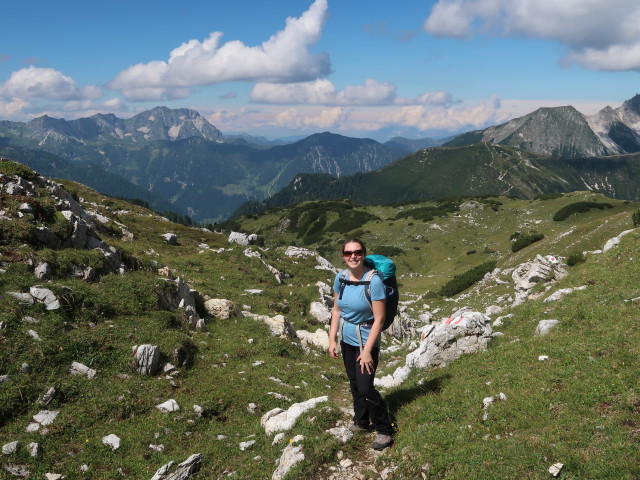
(600, 35)
(12, 108)
(285, 57)
(438, 98)
(324, 92)
(424, 118)
(45, 83)
(295, 119)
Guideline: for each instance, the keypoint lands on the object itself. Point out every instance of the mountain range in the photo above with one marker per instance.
(176, 159)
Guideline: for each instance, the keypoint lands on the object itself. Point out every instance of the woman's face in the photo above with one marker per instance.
(353, 254)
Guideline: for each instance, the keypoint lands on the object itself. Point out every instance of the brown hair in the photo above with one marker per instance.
(354, 240)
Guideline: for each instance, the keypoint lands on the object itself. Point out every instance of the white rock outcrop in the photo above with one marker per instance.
(147, 359)
(222, 308)
(183, 471)
(464, 332)
(545, 326)
(291, 456)
(278, 420)
(319, 338)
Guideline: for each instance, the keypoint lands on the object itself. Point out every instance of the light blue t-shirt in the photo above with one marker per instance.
(354, 307)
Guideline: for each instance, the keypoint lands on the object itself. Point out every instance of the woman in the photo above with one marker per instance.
(359, 324)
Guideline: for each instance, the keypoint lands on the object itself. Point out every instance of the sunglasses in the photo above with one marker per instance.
(348, 253)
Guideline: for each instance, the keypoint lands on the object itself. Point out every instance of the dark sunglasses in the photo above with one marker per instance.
(348, 253)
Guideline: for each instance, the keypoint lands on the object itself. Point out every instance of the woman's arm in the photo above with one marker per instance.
(365, 358)
(335, 324)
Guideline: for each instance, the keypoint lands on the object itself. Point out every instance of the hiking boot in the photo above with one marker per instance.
(382, 441)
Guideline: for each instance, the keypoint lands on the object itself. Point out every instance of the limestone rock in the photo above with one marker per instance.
(35, 450)
(10, 448)
(182, 472)
(465, 332)
(147, 359)
(221, 308)
(112, 441)
(277, 420)
(169, 406)
(559, 294)
(528, 274)
(319, 339)
(170, 238)
(342, 434)
(43, 271)
(78, 368)
(320, 312)
(46, 296)
(545, 326)
(394, 379)
(242, 239)
(291, 456)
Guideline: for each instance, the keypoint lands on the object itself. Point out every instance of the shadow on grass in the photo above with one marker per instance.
(398, 398)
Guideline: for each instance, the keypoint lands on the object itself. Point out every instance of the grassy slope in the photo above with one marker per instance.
(580, 407)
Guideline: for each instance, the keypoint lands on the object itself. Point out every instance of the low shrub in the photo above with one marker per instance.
(521, 241)
(636, 218)
(549, 196)
(577, 208)
(461, 282)
(575, 258)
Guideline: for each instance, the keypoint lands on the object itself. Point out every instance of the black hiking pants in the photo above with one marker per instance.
(368, 405)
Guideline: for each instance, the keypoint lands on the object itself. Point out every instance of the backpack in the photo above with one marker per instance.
(386, 268)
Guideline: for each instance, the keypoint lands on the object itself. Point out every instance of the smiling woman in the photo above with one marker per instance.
(359, 324)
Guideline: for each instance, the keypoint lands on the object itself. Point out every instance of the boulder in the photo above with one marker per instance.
(169, 406)
(183, 471)
(221, 308)
(147, 359)
(403, 326)
(320, 312)
(43, 271)
(46, 296)
(464, 332)
(78, 368)
(545, 326)
(319, 339)
(112, 441)
(242, 239)
(526, 275)
(170, 238)
(10, 448)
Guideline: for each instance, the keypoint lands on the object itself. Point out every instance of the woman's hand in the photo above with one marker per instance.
(366, 362)
(332, 349)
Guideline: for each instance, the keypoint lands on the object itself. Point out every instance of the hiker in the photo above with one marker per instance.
(359, 325)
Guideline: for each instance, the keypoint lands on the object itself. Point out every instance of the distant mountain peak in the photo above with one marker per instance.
(565, 132)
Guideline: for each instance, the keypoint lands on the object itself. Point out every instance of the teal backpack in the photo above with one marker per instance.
(386, 268)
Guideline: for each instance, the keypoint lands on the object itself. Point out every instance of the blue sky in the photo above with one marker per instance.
(363, 68)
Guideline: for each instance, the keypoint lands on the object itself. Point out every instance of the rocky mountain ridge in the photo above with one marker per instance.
(565, 132)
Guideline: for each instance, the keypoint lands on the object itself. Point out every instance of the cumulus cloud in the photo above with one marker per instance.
(599, 35)
(284, 57)
(45, 83)
(324, 92)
